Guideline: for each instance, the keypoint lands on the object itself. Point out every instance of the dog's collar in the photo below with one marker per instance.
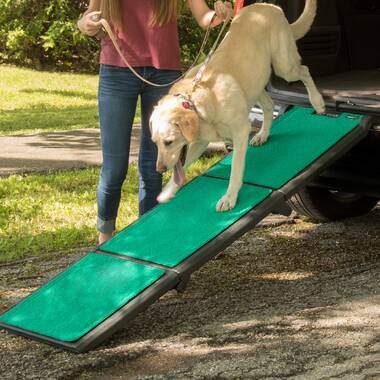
(186, 103)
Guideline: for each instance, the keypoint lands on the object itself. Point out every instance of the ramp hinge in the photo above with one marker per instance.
(334, 114)
(348, 102)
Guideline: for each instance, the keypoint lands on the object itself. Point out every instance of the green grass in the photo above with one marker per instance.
(34, 101)
(55, 212)
(42, 214)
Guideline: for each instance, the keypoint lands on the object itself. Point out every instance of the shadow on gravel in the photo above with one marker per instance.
(284, 263)
(299, 300)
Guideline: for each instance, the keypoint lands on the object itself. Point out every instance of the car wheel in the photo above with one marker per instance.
(328, 205)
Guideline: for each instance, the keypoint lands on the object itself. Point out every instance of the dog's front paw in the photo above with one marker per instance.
(167, 194)
(319, 104)
(226, 203)
(259, 139)
(164, 197)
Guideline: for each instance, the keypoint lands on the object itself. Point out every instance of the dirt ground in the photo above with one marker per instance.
(295, 301)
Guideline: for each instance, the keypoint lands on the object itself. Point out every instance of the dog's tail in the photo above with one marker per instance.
(303, 24)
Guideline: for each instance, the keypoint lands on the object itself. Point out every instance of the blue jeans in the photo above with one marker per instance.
(119, 89)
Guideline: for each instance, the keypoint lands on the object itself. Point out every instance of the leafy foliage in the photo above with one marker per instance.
(43, 34)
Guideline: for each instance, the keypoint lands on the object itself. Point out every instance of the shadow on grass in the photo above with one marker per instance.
(32, 244)
(46, 117)
(7, 214)
(66, 93)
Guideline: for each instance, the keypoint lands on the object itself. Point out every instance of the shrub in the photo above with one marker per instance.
(43, 34)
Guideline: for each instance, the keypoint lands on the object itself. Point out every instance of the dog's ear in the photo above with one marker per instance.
(150, 125)
(189, 126)
(151, 118)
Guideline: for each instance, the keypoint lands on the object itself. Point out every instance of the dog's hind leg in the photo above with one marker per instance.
(286, 63)
(299, 72)
(314, 95)
(267, 105)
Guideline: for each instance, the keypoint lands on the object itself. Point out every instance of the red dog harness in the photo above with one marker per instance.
(239, 4)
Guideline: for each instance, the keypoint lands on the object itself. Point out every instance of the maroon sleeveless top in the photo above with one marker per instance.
(141, 43)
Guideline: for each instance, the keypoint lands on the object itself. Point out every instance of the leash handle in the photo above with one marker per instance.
(106, 26)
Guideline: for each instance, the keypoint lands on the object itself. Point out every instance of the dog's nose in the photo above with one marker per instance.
(161, 168)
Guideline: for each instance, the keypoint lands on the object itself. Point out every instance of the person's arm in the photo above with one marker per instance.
(85, 24)
(203, 14)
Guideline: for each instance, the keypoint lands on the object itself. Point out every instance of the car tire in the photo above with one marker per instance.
(326, 205)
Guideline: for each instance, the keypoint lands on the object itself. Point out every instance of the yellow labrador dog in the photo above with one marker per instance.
(217, 108)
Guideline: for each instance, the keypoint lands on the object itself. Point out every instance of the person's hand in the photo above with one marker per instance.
(89, 24)
(223, 9)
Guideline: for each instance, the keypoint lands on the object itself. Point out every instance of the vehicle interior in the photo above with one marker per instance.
(342, 50)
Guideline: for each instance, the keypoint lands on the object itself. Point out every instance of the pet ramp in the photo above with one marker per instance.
(102, 292)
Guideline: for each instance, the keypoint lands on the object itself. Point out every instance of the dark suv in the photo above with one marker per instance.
(342, 51)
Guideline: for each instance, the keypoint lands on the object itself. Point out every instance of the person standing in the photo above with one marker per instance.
(147, 34)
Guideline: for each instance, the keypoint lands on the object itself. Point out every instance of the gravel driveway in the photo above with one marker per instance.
(296, 301)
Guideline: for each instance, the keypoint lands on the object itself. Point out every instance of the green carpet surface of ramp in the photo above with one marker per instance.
(90, 300)
(77, 300)
(175, 230)
(297, 138)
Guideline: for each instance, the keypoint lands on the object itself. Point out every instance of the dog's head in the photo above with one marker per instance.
(174, 125)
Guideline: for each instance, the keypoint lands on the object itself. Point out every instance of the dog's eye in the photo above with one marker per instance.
(168, 142)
